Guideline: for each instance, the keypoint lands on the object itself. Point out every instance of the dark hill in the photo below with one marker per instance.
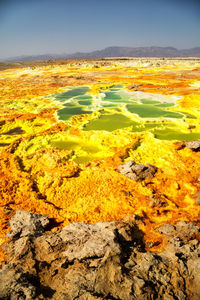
(117, 52)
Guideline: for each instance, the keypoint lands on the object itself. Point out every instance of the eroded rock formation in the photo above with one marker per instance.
(137, 171)
(106, 260)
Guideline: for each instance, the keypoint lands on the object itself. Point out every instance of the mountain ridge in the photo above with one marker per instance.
(115, 51)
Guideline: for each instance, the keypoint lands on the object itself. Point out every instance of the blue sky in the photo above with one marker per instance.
(65, 26)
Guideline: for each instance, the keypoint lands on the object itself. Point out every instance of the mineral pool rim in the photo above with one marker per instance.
(119, 108)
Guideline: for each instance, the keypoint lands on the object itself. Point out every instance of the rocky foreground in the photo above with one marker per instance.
(106, 260)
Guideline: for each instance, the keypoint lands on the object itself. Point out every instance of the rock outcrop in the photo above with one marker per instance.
(137, 171)
(26, 224)
(193, 145)
(106, 260)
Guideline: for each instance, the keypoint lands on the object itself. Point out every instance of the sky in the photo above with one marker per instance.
(31, 27)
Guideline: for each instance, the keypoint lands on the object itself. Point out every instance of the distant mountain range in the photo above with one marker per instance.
(116, 52)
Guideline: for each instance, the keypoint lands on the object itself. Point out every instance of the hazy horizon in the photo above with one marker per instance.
(65, 26)
(64, 53)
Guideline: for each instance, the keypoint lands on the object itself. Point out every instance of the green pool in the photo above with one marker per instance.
(118, 108)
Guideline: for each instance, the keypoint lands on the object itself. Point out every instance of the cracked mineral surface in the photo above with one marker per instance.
(106, 260)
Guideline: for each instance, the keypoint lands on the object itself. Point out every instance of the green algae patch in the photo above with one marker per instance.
(62, 97)
(172, 134)
(144, 127)
(84, 97)
(151, 111)
(112, 96)
(81, 151)
(109, 105)
(110, 122)
(149, 101)
(118, 96)
(166, 104)
(69, 111)
(74, 145)
(85, 102)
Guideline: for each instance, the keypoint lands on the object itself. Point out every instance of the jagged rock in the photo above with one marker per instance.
(137, 171)
(96, 240)
(167, 229)
(193, 145)
(182, 230)
(15, 284)
(106, 260)
(192, 282)
(26, 223)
